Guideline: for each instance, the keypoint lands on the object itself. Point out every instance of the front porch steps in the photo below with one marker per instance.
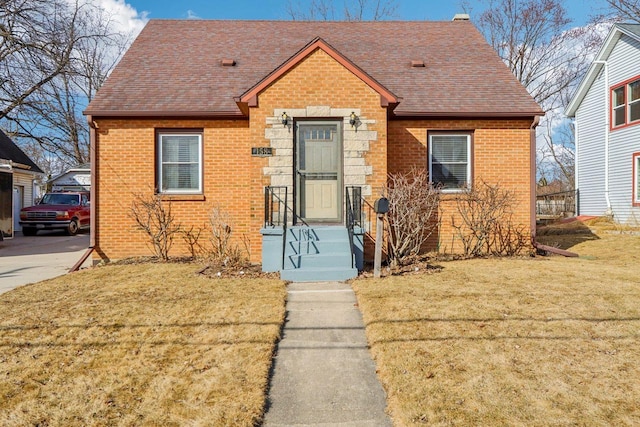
(317, 253)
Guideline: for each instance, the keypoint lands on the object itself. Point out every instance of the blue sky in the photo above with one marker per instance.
(578, 10)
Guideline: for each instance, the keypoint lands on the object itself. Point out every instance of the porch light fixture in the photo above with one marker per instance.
(285, 118)
(353, 119)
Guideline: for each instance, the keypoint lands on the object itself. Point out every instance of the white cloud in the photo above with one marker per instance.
(120, 18)
(192, 15)
(125, 17)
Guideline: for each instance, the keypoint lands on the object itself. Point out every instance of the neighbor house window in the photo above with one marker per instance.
(636, 179)
(450, 160)
(180, 162)
(625, 103)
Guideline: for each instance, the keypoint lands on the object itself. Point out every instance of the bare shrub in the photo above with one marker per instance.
(223, 250)
(412, 217)
(486, 222)
(511, 239)
(156, 219)
(191, 238)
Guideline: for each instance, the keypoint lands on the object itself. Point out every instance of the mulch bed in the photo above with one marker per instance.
(219, 271)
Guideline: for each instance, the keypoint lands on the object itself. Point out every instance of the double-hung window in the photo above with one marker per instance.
(450, 160)
(625, 103)
(180, 162)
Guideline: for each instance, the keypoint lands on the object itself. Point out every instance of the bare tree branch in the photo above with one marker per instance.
(351, 10)
(153, 216)
(54, 55)
(534, 39)
(559, 151)
(412, 218)
(484, 222)
(626, 9)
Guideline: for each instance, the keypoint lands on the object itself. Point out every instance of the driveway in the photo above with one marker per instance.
(30, 259)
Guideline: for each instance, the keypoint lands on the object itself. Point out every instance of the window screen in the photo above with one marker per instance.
(449, 164)
(180, 162)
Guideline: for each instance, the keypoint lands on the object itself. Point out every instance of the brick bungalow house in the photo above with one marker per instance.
(212, 113)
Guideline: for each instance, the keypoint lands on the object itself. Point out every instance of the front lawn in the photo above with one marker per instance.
(147, 344)
(503, 342)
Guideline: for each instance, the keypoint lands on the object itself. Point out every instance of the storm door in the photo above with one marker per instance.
(318, 169)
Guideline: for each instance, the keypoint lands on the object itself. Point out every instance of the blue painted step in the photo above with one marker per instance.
(318, 253)
(321, 260)
(318, 275)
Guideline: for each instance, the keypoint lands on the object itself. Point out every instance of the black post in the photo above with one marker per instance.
(266, 206)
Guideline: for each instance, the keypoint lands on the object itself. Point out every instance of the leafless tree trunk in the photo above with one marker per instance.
(35, 46)
(350, 10)
(559, 147)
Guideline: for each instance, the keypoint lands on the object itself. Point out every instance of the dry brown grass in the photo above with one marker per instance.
(146, 344)
(514, 342)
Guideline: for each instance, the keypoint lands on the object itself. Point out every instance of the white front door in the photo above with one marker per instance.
(319, 171)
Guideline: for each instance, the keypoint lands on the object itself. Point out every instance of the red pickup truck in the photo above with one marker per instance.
(68, 211)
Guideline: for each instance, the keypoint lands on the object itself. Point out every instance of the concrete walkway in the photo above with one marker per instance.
(323, 372)
(31, 259)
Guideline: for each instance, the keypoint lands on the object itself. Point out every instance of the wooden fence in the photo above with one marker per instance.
(555, 205)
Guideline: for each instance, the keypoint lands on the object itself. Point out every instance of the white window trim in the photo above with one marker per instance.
(160, 162)
(469, 160)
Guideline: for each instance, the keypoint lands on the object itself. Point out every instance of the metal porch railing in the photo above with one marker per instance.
(275, 207)
(353, 204)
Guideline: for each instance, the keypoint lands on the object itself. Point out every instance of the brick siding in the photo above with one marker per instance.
(500, 155)
(234, 180)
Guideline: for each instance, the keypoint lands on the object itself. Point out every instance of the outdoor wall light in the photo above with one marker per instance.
(285, 118)
(353, 119)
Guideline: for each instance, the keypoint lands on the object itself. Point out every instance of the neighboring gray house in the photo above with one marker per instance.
(18, 174)
(74, 179)
(606, 108)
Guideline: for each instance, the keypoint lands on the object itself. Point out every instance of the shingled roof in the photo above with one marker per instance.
(174, 67)
(10, 151)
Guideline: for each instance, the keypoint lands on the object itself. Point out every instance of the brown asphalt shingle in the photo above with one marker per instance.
(175, 66)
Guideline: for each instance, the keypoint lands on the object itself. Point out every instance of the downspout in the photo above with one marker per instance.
(544, 249)
(92, 158)
(92, 192)
(532, 180)
(576, 178)
(607, 116)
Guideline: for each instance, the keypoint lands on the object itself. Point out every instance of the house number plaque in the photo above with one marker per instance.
(261, 151)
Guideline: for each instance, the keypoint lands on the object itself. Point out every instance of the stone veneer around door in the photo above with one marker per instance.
(356, 143)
